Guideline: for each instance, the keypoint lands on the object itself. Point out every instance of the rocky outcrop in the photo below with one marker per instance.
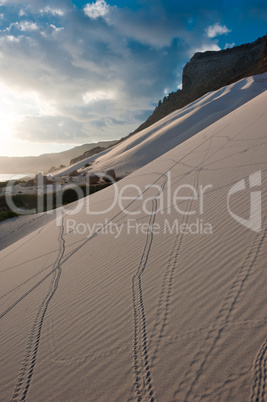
(210, 71)
(92, 179)
(74, 173)
(109, 176)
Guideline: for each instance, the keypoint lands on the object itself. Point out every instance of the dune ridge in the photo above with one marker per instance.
(143, 147)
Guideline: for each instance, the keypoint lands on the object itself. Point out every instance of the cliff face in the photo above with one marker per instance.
(216, 69)
(210, 71)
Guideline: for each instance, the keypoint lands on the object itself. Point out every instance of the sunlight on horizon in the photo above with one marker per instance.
(18, 148)
(12, 146)
(5, 129)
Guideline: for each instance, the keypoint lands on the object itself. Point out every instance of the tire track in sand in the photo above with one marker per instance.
(259, 385)
(260, 375)
(230, 301)
(142, 371)
(27, 369)
(167, 282)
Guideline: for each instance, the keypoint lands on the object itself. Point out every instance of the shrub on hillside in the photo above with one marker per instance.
(7, 215)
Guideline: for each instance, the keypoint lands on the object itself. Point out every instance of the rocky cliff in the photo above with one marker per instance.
(210, 71)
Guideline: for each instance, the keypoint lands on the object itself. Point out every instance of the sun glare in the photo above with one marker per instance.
(5, 129)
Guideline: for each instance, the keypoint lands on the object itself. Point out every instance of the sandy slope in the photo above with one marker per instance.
(145, 146)
(15, 229)
(147, 316)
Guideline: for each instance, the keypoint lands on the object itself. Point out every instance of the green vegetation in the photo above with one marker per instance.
(6, 215)
(48, 201)
(4, 184)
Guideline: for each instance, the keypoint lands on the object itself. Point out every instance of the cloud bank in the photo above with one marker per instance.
(80, 72)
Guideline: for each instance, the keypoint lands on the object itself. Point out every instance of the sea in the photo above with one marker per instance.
(7, 177)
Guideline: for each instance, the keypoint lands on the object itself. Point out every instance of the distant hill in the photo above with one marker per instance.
(87, 154)
(44, 163)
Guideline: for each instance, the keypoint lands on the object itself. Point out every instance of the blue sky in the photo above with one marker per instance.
(74, 72)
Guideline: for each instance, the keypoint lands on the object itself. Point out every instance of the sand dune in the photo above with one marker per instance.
(91, 314)
(145, 146)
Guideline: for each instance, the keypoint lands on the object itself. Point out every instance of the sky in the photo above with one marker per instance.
(75, 72)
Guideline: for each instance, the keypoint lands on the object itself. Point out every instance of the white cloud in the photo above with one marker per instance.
(96, 96)
(28, 26)
(21, 12)
(98, 9)
(23, 26)
(51, 29)
(229, 45)
(53, 11)
(205, 48)
(12, 38)
(56, 29)
(216, 30)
